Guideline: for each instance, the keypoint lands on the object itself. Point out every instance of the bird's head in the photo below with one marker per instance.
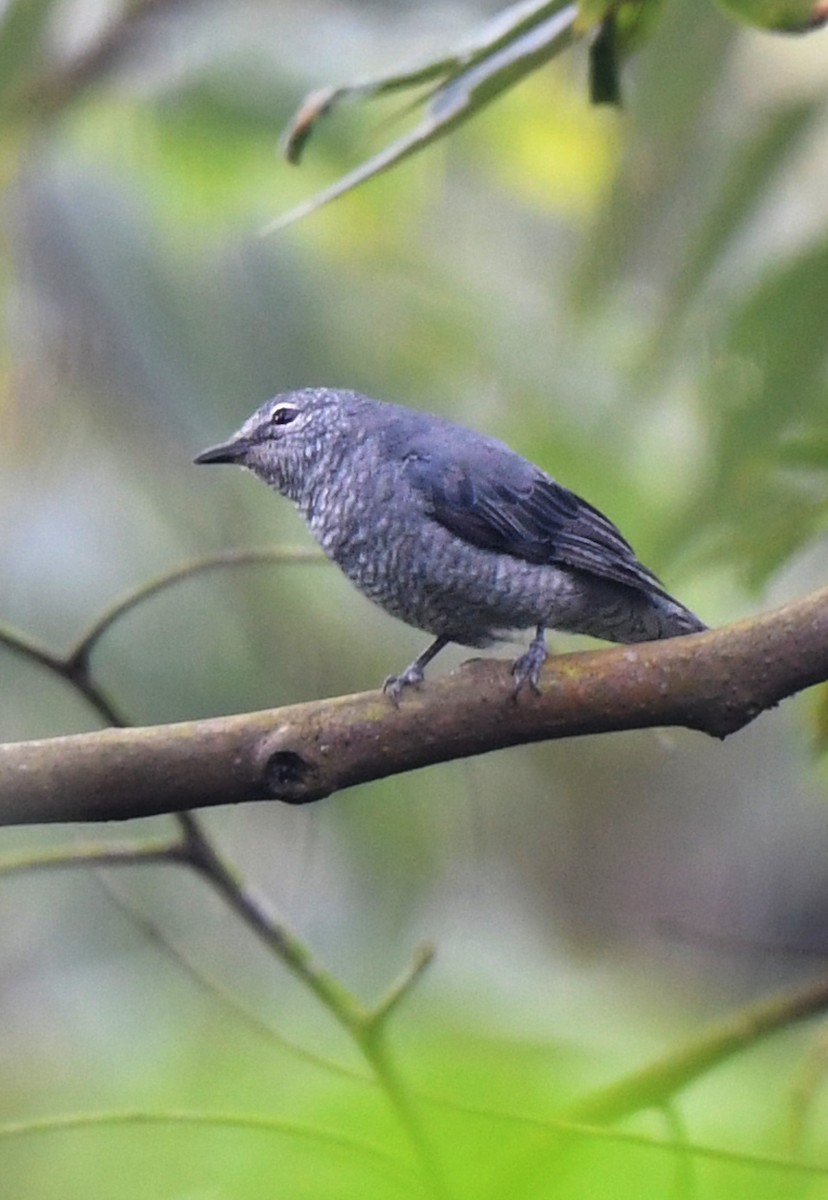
(286, 435)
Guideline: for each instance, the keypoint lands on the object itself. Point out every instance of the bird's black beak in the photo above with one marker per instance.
(227, 452)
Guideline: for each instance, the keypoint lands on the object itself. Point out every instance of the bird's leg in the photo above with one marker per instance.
(413, 673)
(526, 669)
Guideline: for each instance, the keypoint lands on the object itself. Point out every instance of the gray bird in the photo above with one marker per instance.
(450, 530)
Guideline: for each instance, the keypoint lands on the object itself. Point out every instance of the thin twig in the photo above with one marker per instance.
(75, 674)
(74, 667)
(359, 1022)
(804, 1093)
(657, 1083)
(225, 997)
(86, 643)
(93, 854)
(195, 849)
(255, 911)
(374, 1045)
(245, 1122)
(397, 992)
(20, 643)
(626, 1137)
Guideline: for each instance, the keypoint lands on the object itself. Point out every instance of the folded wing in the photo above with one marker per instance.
(493, 498)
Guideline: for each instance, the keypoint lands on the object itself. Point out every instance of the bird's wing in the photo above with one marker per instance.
(493, 498)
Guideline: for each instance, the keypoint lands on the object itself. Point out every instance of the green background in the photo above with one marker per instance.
(637, 301)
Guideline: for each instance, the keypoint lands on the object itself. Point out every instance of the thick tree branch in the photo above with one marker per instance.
(714, 682)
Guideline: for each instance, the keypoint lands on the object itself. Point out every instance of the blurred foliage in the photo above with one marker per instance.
(636, 300)
(785, 16)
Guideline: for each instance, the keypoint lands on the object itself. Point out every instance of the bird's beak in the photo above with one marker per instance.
(227, 452)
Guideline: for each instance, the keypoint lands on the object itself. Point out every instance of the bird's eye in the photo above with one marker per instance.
(283, 414)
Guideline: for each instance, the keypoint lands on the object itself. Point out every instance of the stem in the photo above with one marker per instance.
(79, 656)
(372, 1042)
(365, 1027)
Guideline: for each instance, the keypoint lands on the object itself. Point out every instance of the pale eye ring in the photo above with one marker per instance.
(283, 414)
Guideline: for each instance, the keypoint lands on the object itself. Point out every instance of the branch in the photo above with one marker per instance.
(75, 668)
(206, 1120)
(714, 682)
(366, 1026)
(693, 1150)
(184, 961)
(78, 657)
(660, 1082)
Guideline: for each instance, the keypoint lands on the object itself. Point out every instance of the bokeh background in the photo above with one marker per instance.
(636, 300)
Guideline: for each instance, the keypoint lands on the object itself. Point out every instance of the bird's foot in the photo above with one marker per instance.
(412, 676)
(527, 668)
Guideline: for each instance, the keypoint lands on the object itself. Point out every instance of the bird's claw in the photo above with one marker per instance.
(411, 677)
(527, 668)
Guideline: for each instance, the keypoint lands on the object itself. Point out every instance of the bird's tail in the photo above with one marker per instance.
(670, 618)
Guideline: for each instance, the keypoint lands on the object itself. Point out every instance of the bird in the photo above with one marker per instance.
(451, 530)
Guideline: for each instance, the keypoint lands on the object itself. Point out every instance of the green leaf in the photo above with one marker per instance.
(515, 43)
